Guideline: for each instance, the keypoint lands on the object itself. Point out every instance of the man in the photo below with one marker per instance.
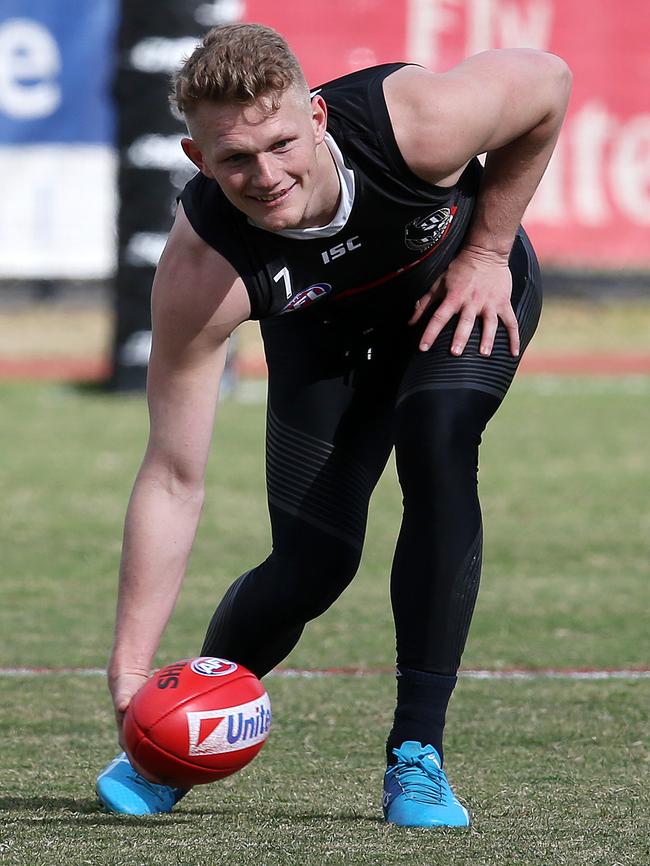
(395, 288)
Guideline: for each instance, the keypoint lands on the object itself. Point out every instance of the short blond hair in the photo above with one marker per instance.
(238, 63)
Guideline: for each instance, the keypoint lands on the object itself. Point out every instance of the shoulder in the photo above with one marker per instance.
(354, 96)
(360, 79)
(483, 76)
(196, 290)
(443, 119)
(207, 209)
(199, 191)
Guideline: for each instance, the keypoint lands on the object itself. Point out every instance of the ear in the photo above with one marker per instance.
(319, 117)
(193, 153)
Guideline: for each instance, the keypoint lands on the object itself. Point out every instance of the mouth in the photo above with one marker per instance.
(273, 199)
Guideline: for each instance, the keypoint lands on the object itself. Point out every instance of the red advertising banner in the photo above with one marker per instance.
(593, 207)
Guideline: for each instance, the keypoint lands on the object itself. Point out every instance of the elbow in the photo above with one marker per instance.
(186, 489)
(565, 76)
(180, 483)
(560, 78)
(192, 493)
(550, 81)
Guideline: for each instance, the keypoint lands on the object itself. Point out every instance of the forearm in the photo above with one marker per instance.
(510, 178)
(159, 531)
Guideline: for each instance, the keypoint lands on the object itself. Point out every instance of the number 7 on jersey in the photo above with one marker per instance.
(285, 276)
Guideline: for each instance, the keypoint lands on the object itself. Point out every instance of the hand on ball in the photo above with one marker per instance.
(123, 687)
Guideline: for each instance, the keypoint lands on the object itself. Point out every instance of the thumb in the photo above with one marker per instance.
(122, 700)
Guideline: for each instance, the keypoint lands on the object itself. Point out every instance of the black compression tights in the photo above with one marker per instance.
(339, 401)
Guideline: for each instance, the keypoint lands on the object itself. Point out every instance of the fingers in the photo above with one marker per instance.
(121, 705)
(420, 306)
(123, 687)
(423, 303)
(490, 324)
(435, 325)
(120, 738)
(120, 710)
(462, 333)
(466, 322)
(119, 724)
(512, 326)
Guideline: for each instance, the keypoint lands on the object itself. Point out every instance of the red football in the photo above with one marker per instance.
(197, 720)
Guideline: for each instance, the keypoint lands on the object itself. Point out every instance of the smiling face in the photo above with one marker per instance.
(274, 166)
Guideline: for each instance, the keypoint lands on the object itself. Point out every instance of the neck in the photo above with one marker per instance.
(328, 186)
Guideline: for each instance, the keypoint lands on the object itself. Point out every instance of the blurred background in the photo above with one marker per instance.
(91, 164)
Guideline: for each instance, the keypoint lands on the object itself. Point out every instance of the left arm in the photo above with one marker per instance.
(510, 105)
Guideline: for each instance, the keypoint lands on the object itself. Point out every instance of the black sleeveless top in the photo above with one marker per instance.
(400, 235)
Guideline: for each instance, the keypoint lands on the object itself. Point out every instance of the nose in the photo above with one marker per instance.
(266, 175)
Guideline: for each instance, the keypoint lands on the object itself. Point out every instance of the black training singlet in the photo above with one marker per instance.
(400, 235)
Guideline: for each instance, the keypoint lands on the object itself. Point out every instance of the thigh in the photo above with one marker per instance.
(329, 425)
(438, 369)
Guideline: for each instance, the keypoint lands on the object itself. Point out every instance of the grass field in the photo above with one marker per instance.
(554, 771)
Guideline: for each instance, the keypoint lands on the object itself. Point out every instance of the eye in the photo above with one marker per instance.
(235, 158)
(282, 144)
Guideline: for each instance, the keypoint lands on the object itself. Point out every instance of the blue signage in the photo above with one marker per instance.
(56, 68)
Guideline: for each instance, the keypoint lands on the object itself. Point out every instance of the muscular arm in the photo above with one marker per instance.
(510, 105)
(197, 301)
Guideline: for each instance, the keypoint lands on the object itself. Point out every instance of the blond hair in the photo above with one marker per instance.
(239, 63)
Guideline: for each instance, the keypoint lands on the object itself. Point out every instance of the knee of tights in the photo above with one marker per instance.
(305, 586)
(445, 418)
(438, 444)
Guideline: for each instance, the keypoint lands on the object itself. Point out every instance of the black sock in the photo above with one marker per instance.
(422, 700)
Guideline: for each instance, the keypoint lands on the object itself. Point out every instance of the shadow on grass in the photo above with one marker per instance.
(66, 811)
(280, 814)
(22, 804)
(46, 809)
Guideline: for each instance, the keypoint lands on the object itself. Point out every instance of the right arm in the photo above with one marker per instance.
(197, 301)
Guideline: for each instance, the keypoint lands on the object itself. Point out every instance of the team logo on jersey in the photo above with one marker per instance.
(423, 233)
(307, 296)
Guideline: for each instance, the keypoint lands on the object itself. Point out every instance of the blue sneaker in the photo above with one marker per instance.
(121, 789)
(417, 793)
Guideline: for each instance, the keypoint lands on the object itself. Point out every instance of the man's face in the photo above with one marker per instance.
(267, 163)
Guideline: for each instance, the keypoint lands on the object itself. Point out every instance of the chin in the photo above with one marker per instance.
(277, 222)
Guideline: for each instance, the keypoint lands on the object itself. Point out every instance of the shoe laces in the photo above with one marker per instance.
(420, 776)
(162, 792)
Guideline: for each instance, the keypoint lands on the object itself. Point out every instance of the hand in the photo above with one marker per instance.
(123, 687)
(476, 284)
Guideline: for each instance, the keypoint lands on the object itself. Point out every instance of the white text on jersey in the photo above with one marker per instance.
(341, 249)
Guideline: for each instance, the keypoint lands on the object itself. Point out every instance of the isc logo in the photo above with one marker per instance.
(340, 249)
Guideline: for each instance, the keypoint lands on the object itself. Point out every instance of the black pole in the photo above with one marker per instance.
(153, 38)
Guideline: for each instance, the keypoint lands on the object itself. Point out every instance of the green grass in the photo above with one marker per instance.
(564, 490)
(554, 771)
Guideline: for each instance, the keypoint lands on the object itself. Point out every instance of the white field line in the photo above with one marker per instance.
(301, 673)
